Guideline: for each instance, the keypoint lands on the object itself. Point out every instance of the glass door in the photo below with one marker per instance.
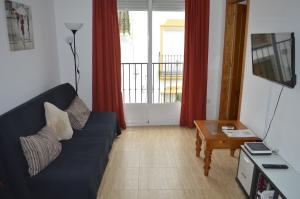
(133, 26)
(152, 45)
(167, 66)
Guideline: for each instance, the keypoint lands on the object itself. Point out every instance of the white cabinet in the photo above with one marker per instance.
(245, 172)
(255, 179)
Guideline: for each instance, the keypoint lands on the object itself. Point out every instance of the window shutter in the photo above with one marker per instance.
(133, 4)
(168, 5)
(158, 5)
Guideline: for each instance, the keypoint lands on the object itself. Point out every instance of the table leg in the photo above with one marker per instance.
(207, 161)
(232, 152)
(198, 144)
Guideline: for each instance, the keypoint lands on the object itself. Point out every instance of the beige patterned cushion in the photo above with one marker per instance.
(59, 121)
(78, 113)
(40, 149)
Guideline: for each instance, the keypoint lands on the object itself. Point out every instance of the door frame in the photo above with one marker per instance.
(244, 58)
(226, 67)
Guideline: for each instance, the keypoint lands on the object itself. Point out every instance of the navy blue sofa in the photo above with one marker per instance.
(77, 171)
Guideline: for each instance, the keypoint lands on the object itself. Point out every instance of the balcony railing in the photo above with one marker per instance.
(166, 82)
(168, 69)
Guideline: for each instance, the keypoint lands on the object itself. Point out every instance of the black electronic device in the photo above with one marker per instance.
(257, 148)
(275, 166)
(273, 57)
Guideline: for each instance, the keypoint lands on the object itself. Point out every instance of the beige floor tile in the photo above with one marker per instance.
(159, 178)
(161, 194)
(160, 162)
(195, 194)
(151, 178)
(126, 159)
(156, 158)
(120, 194)
(125, 178)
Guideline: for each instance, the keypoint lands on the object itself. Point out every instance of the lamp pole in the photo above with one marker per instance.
(75, 61)
(74, 27)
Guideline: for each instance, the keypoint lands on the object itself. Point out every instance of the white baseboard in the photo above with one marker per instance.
(152, 123)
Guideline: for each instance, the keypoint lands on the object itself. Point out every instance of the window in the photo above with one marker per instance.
(134, 58)
(152, 63)
(167, 55)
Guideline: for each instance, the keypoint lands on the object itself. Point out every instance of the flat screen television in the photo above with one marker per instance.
(273, 57)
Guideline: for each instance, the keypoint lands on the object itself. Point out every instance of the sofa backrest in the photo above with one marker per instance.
(24, 120)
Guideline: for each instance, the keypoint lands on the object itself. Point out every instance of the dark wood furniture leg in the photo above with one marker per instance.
(232, 152)
(198, 144)
(207, 161)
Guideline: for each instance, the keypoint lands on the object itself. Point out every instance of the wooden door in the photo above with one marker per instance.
(235, 28)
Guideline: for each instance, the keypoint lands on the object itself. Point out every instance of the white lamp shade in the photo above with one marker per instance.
(73, 26)
(69, 40)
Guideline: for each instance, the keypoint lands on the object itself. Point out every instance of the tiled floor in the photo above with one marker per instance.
(160, 163)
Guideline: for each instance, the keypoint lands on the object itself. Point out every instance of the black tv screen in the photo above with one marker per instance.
(273, 57)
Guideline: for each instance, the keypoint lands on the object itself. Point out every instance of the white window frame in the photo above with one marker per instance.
(150, 6)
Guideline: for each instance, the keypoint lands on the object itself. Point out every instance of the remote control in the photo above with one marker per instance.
(228, 127)
(275, 166)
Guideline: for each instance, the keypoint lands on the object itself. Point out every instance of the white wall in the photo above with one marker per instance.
(24, 74)
(259, 95)
(75, 11)
(215, 56)
(81, 11)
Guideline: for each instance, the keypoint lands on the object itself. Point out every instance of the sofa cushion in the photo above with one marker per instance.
(59, 121)
(78, 113)
(40, 149)
(104, 123)
(24, 120)
(76, 173)
(102, 120)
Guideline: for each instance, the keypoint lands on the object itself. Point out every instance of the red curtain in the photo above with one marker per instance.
(194, 90)
(107, 94)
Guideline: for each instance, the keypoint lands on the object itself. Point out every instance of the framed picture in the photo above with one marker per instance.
(19, 26)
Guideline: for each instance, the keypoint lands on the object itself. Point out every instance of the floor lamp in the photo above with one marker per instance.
(74, 27)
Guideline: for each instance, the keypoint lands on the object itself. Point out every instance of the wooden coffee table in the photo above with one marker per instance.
(210, 131)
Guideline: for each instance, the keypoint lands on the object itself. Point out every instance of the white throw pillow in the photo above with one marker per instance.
(59, 121)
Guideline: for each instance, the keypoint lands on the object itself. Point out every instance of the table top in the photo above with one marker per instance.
(212, 129)
(286, 180)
